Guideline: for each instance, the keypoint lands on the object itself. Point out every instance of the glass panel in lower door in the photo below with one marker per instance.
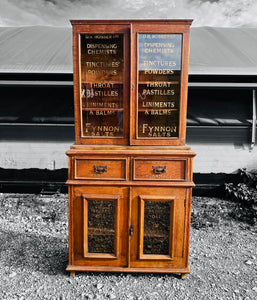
(156, 227)
(100, 225)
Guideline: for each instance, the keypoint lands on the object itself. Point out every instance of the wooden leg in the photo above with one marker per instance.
(183, 276)
(72, 273)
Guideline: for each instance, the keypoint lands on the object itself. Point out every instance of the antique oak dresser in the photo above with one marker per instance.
(130, 172)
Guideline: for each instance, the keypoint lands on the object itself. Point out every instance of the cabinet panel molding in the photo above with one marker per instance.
(109, 217)
(159, 169)
(156, 227)
(101, 169)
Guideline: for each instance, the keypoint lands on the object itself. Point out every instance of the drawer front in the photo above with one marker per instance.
(166, 169)
(102, 169)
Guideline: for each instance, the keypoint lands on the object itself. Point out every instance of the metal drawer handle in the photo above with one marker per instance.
(100, 169)
(159, 169)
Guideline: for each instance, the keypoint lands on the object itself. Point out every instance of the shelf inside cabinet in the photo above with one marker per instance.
(100, 231)
(102, 109)
(162, 109)
(102, 82)
(158, 82)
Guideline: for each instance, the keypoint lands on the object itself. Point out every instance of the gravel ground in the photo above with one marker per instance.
(34, 255)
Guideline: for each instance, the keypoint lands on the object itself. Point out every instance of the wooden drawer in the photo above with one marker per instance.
(102, 169)
(160, 169)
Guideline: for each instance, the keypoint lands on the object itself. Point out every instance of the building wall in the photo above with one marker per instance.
(37, 128)
(211, 158)
(223, 158)
(26, 155)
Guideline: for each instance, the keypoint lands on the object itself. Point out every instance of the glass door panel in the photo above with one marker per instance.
(158, 87)
(101, 90)
(101, 229)
(101, 226)
(156, 227)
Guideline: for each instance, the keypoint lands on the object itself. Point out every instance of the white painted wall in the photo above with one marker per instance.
(223, 158)
(24, 155)
(211, 158)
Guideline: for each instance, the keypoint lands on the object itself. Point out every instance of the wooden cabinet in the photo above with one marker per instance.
(130, 172)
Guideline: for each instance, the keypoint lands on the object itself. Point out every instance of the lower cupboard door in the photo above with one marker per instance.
(98, 227)
(158, 220)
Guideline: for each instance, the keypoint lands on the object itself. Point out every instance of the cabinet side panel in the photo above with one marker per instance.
(184, 85)
(187, 225)
(71, 253)
(76, 84)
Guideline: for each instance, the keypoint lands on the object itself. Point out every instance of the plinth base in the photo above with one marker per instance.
(72, 269)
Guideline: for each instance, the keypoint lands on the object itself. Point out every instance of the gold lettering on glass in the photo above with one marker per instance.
(158, 98)
(102, 68)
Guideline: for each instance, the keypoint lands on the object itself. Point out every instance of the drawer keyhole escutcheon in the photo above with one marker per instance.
(131, 230)
(159, 169)
(100, 169)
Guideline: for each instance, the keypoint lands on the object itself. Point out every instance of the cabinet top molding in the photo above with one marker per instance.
(129, 21)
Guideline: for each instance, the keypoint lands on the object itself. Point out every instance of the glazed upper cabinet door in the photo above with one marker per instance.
(159, 74)
(130, 82)
(101, 84)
